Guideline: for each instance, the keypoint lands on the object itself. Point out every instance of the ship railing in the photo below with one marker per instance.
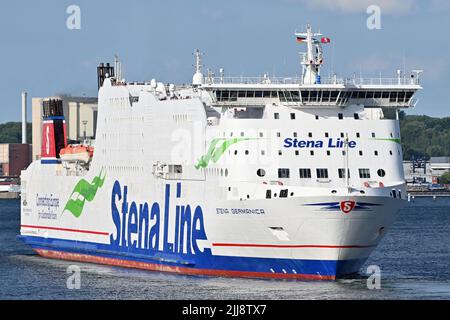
(356, 81)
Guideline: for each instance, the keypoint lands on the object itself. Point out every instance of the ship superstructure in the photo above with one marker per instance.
(257, 177)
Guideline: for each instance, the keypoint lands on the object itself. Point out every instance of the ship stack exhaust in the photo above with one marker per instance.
(54, 137)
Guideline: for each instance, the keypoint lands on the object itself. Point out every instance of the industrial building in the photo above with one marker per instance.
(80, 114)
(426, 170)
(14, 157)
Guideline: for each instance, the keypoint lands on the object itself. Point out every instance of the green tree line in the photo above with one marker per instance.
(11, 132)
(424, 136)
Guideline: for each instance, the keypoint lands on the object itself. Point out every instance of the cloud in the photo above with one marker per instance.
(356, 6)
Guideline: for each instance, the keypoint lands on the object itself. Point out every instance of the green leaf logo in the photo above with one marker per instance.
(216, 150)
(84, 191)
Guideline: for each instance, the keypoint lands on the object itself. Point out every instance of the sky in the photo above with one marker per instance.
(155, 39)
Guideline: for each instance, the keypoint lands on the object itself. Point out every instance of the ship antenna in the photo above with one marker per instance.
(198, 79)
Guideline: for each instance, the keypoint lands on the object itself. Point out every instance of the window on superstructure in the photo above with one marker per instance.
(364, 173)
(342, 135)
(261, 134)
(356, 116)
(295, 134)
(328, 153)
(305, 173)
(357, 135)
(376, 152)
(283, 173)
(317, 117)
(276, 115)
(340, 116)
(310, 134)
(284, 193)
(360, 152)
(381, 173)
(385, 95)
(341, 173)
(261, 172)
(280, 152)
(268, 194)
(278, 134)
(325, 96)
(263, 152)
(369, 95)
(246, 152)
(311, 152)
(297, 152)
(326, 135)
(373, 134)
(322, 173)
(292, 116)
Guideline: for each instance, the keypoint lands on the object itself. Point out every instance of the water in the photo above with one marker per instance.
(414, 258)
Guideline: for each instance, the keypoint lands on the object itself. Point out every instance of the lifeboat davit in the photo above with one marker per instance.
(77, 153)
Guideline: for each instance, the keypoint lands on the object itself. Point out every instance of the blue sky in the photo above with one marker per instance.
(155, 39)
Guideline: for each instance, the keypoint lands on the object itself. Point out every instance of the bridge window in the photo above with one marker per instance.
(283, 173)
(364, 173)
(250, 94)
(322, 173)
(305, 173)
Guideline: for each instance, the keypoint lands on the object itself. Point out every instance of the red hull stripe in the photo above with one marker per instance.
(67, 230)
(173, 269)
(287, 246)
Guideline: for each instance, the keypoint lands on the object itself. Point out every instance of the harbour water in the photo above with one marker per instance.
(414, 259)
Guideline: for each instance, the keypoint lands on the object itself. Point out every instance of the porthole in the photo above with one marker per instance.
(381, 173)
(261, 172)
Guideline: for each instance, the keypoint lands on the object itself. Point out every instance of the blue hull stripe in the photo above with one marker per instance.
(334, 268)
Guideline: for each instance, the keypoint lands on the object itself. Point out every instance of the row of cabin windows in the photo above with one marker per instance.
(310, 134)
(311, 152)
(276, 116)
(321, 173)
(312, 95)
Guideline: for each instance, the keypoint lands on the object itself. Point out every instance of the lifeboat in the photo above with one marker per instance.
(77, 153)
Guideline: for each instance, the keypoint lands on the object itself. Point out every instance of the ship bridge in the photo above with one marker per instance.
(309, 90)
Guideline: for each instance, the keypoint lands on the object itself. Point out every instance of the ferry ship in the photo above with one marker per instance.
(264, 177)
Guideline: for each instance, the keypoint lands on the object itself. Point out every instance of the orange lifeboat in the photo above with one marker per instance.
(77, 153)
